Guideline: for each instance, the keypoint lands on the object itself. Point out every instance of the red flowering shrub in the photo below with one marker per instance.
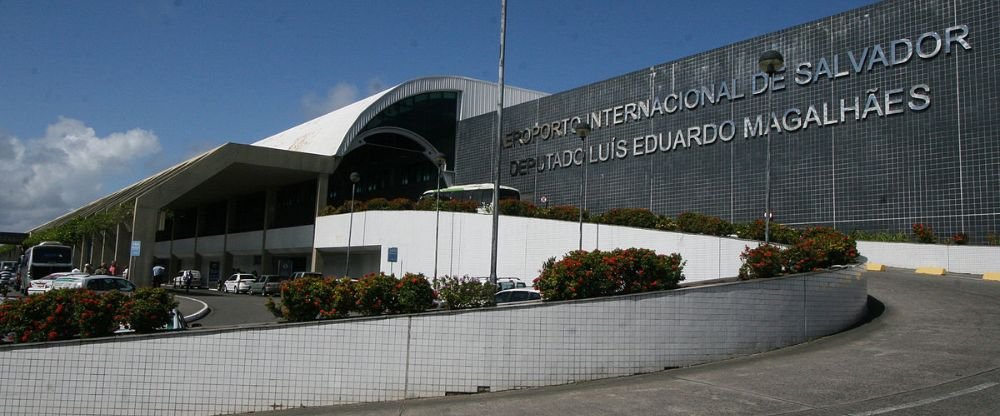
(70, 313)
(692, 222)
(99, 315)
(148, 309)
(582, 274)
(414, 293)
(518, 208)
(465, 293)
(344, 299)
(924, 234)
(303, 299)
(562, 212)
(819, 248)
(376, 294)
(761, 262)
(960, 239)
(629, 217)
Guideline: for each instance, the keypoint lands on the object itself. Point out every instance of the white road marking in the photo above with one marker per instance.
(930, 400)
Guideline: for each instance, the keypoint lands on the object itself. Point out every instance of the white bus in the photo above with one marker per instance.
(480, 192)
(42, 260)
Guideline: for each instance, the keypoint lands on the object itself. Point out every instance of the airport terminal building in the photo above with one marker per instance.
(881, 117)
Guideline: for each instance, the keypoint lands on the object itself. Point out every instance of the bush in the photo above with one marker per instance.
(582, 274)
(993, 239)
(376, 294)
(924, 234)
(629, 217)
(780, 233)
(665, 223)
(563, 213)
(518, 208)
(414, 293)
(762, 262)
(692, 222)
(377, 204)
(400, 204)
(882, 236)
(819, 248)
(465, 293)
(99, 315)
(960, 239)
(70, 313)
(148, 309)
(344, 301)
(303, 299)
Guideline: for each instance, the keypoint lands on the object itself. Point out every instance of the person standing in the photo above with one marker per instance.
(159, 272)
(187, 281)
(113, 268)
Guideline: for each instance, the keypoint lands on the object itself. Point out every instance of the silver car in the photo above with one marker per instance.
(97, 283)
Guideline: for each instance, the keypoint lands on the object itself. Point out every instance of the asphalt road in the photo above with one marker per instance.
(228, 309)
(934, 350)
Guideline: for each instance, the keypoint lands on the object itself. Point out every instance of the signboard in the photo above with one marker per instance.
(136, 246)
(393, 254)
(12, 238)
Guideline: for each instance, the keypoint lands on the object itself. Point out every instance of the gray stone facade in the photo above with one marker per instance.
(918, 146)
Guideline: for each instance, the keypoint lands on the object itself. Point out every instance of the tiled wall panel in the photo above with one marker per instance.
(391, 358)
(939, 166)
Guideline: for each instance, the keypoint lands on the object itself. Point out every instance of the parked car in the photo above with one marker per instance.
(517, 295)
(238, 283)
(39, 286)
(196, 280)
(297, 275)
(504, 283)
(97, 283)
(267, 284)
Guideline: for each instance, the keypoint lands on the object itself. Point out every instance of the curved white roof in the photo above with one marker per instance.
(331, 133)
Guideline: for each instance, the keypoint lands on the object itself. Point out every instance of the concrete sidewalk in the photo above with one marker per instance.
(934, 350)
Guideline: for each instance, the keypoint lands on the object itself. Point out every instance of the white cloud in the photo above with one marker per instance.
(340, 95)
(43, 178)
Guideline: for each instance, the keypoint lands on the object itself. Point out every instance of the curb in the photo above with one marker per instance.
(197, 315)
(932, 270)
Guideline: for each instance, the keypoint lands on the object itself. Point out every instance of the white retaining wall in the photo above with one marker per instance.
(523, 243)
(391, 358)
(958, 259)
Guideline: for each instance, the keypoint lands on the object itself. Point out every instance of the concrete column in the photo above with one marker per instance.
(270, 200)
(322, 188)
(144, 222)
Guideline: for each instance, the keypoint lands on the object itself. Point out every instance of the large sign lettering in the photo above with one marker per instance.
(874, 103)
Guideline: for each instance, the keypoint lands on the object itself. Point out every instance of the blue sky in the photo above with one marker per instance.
(96, 95)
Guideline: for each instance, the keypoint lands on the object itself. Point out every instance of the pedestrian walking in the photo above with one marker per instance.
(187, 281)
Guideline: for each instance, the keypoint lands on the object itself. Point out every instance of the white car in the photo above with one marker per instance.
(45, 284)
(196, 280)
(517, 295)
(238, 283)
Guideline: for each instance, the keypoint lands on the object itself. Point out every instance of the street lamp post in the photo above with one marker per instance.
(769, 62)
(582, 130)
(440, 162)
(355, 178)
